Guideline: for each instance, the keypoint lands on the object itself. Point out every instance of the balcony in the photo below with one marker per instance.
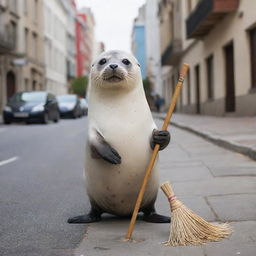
(7, 42)
(207, 14)
(172, 53)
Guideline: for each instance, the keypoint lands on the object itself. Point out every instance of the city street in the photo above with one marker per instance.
(41, 185)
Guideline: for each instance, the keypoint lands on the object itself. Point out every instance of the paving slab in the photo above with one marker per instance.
(216, 186)
(234, 207)
(242, 241)
(106, 239)
(232, 170)
(197, 204)
(176, 174)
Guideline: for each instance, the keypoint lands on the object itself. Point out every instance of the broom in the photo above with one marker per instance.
(155, 152)
(189, 228)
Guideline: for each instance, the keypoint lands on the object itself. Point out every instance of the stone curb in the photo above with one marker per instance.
(228, 144)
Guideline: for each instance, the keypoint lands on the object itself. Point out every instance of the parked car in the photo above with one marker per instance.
(69, 105)
(84, 106)
(31, 106)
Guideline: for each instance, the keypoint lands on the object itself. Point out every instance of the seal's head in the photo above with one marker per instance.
(115, 70)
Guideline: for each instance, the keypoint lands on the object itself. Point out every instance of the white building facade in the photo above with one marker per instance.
(218, 40)
(55, 46)
(153, 53)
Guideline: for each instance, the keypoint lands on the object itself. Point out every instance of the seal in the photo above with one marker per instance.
(121, 136)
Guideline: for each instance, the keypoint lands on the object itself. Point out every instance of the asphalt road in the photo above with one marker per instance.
(41, 186)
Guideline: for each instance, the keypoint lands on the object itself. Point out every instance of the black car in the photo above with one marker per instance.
(84, 106)
(31, 106)
(69, 105)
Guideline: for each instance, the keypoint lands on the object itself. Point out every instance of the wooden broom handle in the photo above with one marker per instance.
(183, 73)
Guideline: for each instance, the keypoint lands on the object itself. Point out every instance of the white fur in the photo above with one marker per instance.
(120, 113)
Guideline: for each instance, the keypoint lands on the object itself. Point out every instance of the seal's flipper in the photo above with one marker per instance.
(102, 149)
(150, 215)
(84, 219)
(93, 216)
(156, 218)
(160, 137)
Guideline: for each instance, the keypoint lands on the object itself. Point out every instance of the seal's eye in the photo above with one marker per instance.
(126, 62)
(102, 61)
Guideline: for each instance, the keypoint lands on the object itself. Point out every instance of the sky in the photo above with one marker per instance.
(114, 19)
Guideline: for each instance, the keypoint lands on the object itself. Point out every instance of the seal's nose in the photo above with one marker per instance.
(113, 66)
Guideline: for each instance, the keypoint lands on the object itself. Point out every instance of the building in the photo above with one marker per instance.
(90, 38)
(9, 17)
(84, 41)
(80, 46)
(218, 39)
(171, 45)
(71, 11)
(153, 54)
(55, 45)
(139, 40)
(31, 45)
(21, 44)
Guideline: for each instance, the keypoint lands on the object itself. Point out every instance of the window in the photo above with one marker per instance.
(34, 54)
(253, 56)
(26, 84)
(13, 30)
(34, 85)
(209, 71)
(197, 83)
(26, 40)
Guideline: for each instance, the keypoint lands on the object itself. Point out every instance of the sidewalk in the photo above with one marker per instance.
(234, 133)
(216, 183)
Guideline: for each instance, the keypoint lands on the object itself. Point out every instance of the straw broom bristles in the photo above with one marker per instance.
(189, 228)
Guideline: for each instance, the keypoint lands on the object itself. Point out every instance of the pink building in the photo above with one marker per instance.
(84, 41)
(80, 45)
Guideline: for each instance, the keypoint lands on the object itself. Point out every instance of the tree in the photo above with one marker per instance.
(147, 86)
(79, 86)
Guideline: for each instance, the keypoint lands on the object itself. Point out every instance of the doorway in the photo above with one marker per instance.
(253, 56)
(10, 84)
(197, 82)
(230, 105)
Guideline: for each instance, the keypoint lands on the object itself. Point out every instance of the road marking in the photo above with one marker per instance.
(7, 161)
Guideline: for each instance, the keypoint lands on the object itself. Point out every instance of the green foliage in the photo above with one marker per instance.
(79, 86)
(146, 85)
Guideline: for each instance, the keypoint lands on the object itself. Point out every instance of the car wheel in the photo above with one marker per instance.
(7, 121)
(45, 119)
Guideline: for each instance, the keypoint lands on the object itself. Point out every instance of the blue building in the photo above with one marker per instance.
(139, 41)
